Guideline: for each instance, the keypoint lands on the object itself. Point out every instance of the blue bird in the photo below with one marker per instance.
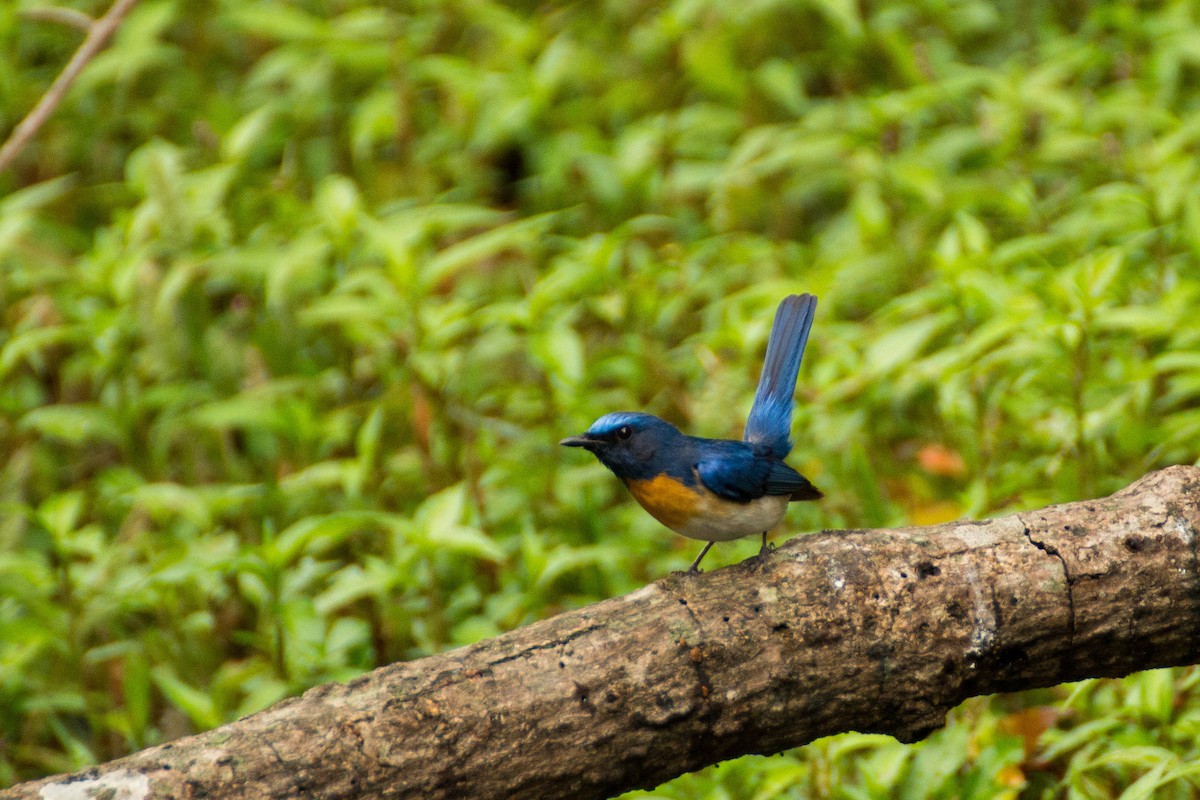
(716, 490)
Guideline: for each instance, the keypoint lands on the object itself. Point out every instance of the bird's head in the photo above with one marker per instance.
(629, 443)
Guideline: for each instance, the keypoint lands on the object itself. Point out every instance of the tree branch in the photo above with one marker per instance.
(98, 35)
(868, 630)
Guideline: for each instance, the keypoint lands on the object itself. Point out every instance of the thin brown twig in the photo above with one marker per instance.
(60, 16)
(98, 35)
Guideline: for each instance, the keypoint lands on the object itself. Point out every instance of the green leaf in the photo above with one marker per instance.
(194, 703)
(278, 21)
(75, 424)
(515, 238)
(60, 513)
(314, 535)
(30, 346)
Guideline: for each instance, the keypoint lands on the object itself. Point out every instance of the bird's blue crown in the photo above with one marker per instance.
(611, 423)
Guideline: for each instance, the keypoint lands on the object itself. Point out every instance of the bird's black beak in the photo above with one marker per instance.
(578, 441)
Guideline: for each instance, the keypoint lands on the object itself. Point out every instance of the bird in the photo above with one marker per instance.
(717, 490)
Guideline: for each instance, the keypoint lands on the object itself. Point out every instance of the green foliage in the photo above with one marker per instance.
(298, 298)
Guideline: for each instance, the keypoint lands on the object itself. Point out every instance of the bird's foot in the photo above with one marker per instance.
(694, 569)
(766, 548)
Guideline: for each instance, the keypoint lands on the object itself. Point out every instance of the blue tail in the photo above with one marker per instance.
(770, 420)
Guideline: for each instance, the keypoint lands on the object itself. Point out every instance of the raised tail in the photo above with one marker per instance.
(770, 420)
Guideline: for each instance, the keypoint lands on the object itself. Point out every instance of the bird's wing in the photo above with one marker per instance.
(741, 471)
(734, 474)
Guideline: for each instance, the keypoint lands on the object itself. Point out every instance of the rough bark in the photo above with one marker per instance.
(867, 630)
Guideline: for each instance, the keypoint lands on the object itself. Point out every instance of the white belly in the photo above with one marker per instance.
(722, 521)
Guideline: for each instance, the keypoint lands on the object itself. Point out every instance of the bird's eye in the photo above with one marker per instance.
(624, 432)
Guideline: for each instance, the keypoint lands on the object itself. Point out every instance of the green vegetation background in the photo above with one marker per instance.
(298, 298)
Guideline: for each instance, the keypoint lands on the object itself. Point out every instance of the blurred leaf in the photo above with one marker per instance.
(74, 424)
(197, 705)
(313, 535)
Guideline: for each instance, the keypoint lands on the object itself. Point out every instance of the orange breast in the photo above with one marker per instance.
(700, 514)
(668, 501)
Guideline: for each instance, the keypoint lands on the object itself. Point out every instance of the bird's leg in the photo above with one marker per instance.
(766, 548)
(695, 567)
